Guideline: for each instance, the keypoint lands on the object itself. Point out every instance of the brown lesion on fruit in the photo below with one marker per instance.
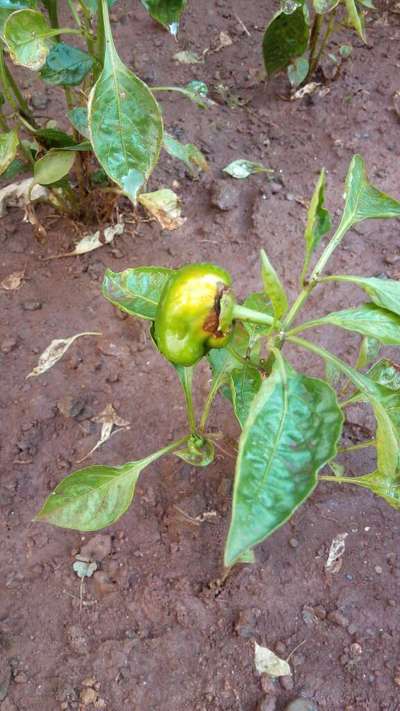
(211, 324)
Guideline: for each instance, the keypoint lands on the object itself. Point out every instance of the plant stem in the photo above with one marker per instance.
(11, 90)
(51, 7)
(74, 13)
(354, 447)
(102, 21)
(187, 381)
(329, 29)
(338, 479)
(244, 314)
(216, 384)
(314, 37)
(165, 450)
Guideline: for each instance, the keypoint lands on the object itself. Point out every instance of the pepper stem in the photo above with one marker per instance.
(244, 314)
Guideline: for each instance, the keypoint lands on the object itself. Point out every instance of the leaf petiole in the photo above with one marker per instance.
(244, 314)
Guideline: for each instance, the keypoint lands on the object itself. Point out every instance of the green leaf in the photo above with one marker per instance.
(291, 432)
(9, 6)
(367, 319)
(383, 292)
(53, 166)
(79, 119)
(125, 122)
(368, 4)
(136, 291)
(285, 38)
(28, 38)
(323, 6)
(188, 153)
(223, 361)
(245, 384)
(355, 19)
(369, 351)
(92, 5)
(387, 441)
(166, 12)
(298, 71)
(387, 373)
(199, 452)
(17, 167)
(197, 92)
(379, 484)
(242, 168)
(53, 138)
(92, 498)
(363, 201)
(273, 286)
(259, 302)
(8, 149)
(319, 221)
(66, 65)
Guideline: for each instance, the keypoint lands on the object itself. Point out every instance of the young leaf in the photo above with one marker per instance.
(166, 12)
(66, 65)
(273, 286)
(9, 6)
(8, 149)
(383, 292)
(355, 19)
(136, 291)
(379, 484)
(363, 201)
(53, 138)
(368, 320)
(323, 6)
(369, 351)
(285, 38)
(53, 166)
(28, 38)
(387, 373)
(186, 152)
(291, 432)
(298, 71)
(79, 119)
(245, 384)
(92, 498)
(125, 122)
(164, 206)
(318, 221)
(242, 168)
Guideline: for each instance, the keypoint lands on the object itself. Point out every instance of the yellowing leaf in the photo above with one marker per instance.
(267, 662)
(55, 351)
(164, 206)
(93, 241)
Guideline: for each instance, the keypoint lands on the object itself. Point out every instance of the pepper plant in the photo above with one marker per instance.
(291, 423)
(114, 131)
(297, 36)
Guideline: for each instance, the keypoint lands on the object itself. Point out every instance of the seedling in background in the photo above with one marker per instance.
(297, 37)
(291, 423)
(116, 129)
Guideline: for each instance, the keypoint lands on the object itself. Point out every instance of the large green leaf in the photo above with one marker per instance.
(66, 65)
(92, 498)
(368, 319)
(186, 152)
(8, 149)
(166, 12)
(291, 432)
(29, 38)
(355, 19)
(273, 286)
(9, 6)
(136, 291)
(285, 38)
(318, 221)
(125, 123)
(383, 292)
(56, 164)
(363, 201)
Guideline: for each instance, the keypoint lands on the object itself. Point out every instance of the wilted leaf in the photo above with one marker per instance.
(369, 351)
(21, 194)
(225, 40)
(66, 65)
(55, 351)
(336, 551)
(267, 662)
(186, 57)
(93, 241)
(186, 152)
(108, 420)
(8, 148)
(13, 281)
(164, 205)
(28, 38)
(242, 168)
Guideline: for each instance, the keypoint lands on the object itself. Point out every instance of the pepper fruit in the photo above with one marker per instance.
(194, 313)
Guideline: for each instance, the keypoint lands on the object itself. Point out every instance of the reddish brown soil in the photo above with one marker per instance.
(165, 634)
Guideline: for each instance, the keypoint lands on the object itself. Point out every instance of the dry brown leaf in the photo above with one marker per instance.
(224, 41)
(93, 241)
(13, 281)
(52, 354)
(108, 420)
(306, 90)
(267, 662)
(164, 206)
(21, 194)
(336, 551)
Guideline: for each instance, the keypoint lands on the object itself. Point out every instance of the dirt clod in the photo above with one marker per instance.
(224, 195)
(301, 705)
(88, 696)
(338, 618)
(97, 548)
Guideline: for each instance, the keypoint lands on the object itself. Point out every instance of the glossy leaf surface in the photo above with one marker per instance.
(319, 220)
(291, 432)
(166, 12)
(136, 291)
(66, 65)
(368, 320)
(79, 119)
(55, 165)
(379, 484)
(285, 38)
(125, 122)
(8, 149)
(273, 286)
(92, 498)
(28, 38)
(245, 384)
(355, 19)
(383, 292)
(363, 200)
(9, 6)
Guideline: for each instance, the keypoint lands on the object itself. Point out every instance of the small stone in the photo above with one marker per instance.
(293, 542)
(267, 704)
(21, 678)
(32, 305)
(286, 682)
(352, 629)
(97, 548)
(276, 187)
(338, 618)
(320, 612)
(88, 696)
(246, 623)
(378, 570)
(355, 650)
(224, 195)
(39, 101)
(89, 681)
(301, 705)
(290, 197)
(102, 583)
(9, 343)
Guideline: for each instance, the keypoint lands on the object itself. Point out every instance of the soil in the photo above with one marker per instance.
(155, 629)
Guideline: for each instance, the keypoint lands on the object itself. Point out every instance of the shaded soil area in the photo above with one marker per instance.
(155, 629)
